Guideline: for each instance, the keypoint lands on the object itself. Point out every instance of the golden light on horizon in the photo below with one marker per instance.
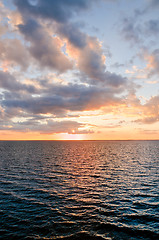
(66, 136)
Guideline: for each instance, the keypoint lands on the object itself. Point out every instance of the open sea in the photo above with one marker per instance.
(74, 190)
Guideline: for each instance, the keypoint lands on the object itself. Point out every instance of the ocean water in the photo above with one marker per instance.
(79, 190)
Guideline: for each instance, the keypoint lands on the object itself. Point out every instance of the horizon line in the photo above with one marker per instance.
(71, 140)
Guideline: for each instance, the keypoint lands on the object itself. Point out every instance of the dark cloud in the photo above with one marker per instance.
(152, 27)
(137, 32)
(115, 80)
(117, 65)
(131, 31)
(70, 127)
(91, 62)
(73, 34)
(89, 59)
(49, 127)
(60, 99)
(60, 11)
(9, 82)
(154, 3)
(43, 47)
(9, 53)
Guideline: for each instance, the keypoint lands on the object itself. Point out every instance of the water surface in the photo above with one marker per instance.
(79, 190)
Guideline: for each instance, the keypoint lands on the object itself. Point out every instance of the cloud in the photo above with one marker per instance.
(150, 70)
(154, 3)
(112, 126)
(3, 11)
(60, 11)
(73, 34)
(153, 62)
(149, 111)
(148, 120)
(152, 27)
(43, 47)
(117, 65)
(58, 99)
(90, 60)
(149, 132)
(46, 41)
(140, 33)
(10, 55)
(131, 31)
(9, 82)
(86, 51)
(57, 45)
(49, 127)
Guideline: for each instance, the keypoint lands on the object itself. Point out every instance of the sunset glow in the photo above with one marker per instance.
(79, 70)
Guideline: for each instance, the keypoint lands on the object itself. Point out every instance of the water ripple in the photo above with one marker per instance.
(79, 190)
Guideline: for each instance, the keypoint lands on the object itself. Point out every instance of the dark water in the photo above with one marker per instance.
(79, 190)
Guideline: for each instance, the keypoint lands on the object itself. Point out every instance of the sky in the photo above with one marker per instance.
(79, 69)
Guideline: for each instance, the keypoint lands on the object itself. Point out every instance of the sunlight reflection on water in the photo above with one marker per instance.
(79, 189)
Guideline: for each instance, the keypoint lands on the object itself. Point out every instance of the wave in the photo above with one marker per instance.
(85, 191)
(81, 236)
(131, 232)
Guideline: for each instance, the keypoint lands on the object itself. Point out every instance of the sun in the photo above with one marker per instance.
(73, 136)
